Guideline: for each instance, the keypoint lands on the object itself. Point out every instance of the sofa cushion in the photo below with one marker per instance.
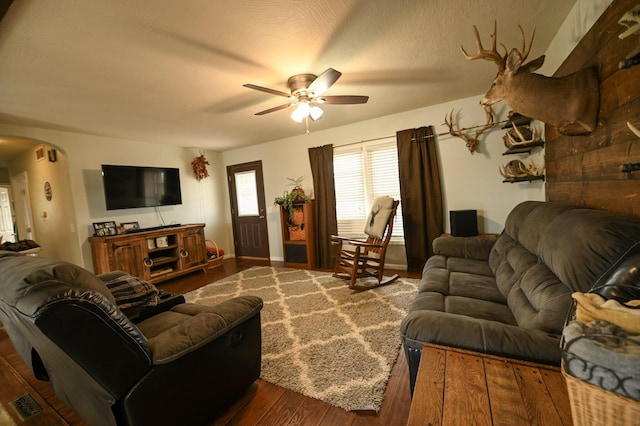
(475, 286)
(132, 294)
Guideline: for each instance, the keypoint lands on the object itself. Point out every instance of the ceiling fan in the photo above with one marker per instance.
(306, 94)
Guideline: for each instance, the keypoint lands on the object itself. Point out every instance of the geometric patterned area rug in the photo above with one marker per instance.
(319, 338)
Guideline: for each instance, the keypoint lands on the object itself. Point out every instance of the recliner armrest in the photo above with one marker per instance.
(188, 326)
(166, 302)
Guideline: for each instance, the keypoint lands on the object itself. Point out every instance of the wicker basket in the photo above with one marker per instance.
(593, 405)
(296, 233)
(212, 247)
(298, 215)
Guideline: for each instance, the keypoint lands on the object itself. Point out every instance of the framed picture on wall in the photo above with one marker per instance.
(103, 229)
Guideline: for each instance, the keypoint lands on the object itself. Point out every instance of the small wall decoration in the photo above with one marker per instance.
(200, 167)
(103, 229)
(47, 191)
(40, 153)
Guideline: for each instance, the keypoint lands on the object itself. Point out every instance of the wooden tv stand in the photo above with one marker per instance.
(155, 255)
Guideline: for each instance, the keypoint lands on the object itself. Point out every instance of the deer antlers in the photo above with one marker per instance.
(492, 54)
(515, 169)
(470, 141)
(521, 136)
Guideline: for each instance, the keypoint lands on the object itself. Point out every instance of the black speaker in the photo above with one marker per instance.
(464, 223)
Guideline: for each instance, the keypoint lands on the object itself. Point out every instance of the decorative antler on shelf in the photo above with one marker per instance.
(469, 140)
(519, 136)
(516, 169)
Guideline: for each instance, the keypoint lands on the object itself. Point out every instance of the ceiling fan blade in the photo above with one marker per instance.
(278, 108)
(267, 90)
(324, 81)
(343, 99)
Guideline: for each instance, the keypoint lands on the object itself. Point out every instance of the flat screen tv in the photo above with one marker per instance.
(128, 187)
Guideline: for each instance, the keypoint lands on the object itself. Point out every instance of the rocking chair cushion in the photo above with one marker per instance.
(378, 217)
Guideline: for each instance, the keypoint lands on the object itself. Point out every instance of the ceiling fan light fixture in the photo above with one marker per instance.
(316, 113)
(306, 95)
(301, 112)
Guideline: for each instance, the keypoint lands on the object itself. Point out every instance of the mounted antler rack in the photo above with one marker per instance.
(471, 141)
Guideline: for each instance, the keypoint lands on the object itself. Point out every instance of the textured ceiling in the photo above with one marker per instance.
(171, 72)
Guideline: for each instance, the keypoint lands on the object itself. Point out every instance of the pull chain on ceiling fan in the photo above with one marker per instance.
(306, 91)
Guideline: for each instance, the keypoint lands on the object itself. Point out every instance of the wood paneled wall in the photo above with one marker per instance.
(585, 170)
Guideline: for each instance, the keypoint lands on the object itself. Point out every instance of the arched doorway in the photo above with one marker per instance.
(38, 174)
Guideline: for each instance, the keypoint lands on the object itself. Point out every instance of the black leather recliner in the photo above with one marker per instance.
(181, 363)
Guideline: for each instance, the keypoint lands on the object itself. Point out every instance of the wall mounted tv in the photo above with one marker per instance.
(128, 187)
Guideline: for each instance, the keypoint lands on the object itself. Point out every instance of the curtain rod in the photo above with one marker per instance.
(494, 123)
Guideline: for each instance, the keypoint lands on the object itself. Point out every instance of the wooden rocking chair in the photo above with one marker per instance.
(365, 258)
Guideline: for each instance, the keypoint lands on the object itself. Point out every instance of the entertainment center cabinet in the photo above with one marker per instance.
(154, 255)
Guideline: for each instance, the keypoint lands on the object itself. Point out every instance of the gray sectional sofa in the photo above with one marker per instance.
(510, 296)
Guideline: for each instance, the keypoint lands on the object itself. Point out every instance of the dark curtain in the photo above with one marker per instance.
(321, 160)
(421, 193)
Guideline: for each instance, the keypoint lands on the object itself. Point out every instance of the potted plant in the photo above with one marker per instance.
(288, 199)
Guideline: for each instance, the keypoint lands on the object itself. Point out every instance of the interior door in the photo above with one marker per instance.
(6, 216)
(22, 204)
(248, 210)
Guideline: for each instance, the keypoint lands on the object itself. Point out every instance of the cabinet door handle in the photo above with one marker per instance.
(148, 262)
(184, 253)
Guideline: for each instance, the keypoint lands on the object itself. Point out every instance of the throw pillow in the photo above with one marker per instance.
(132, 294)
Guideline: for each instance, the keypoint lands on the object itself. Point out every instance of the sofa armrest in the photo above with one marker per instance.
(187, 327)
(465, 247)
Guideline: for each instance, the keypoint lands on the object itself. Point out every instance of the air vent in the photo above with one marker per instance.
(26, 407)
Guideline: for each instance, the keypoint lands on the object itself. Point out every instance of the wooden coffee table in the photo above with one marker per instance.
(458, 387)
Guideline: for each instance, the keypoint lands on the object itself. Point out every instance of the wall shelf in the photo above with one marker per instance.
(523, 149)
(524, 179)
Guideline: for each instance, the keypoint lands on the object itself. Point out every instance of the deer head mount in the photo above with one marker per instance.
(471, 141)
(568, 103)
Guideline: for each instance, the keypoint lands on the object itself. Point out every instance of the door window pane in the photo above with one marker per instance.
(247, 193)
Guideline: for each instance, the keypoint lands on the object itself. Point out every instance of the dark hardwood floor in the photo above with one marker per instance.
(264, 403)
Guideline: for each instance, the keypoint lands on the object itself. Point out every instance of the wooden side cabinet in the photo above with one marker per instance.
(155, 255)
(298, 238)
